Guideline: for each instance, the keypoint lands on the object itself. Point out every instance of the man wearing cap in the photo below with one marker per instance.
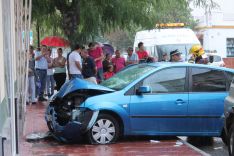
(132, 58)
(176, 56)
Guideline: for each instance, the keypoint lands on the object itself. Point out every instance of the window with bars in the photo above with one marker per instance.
(230, 47)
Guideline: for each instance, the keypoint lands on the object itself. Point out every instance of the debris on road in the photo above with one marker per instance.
(154, 141)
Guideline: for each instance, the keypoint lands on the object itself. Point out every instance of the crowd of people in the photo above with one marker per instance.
(90, 64)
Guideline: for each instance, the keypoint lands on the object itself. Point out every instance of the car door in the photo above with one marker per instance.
(206, 100)
(164, 110)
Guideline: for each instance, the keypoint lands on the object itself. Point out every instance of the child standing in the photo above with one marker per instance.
(109, 72)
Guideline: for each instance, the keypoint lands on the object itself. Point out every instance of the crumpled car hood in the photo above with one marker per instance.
(79, 84)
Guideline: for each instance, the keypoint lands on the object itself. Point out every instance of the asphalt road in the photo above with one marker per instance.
(213, 146)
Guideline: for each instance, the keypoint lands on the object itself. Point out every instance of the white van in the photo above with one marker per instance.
(159, 41)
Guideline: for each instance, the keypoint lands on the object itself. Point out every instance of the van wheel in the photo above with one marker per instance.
(105, 130)
(231, 140)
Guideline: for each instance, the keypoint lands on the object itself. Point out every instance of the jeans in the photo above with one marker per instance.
(42, 75)
(31, 89)
(50, 85)
(76, 76)
(100, 74)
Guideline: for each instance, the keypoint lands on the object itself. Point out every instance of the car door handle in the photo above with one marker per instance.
(179, 101)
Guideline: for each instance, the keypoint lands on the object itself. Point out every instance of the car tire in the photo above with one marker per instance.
(231, 140)
(224, 137)
(105, 130)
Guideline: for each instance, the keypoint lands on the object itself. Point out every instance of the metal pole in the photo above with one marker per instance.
(17, 43)
(12, 78)
(28, 44)
(25, 62)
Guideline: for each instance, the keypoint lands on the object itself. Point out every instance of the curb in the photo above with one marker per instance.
(194, 148)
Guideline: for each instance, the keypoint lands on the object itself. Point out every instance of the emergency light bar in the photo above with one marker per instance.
(163, 25)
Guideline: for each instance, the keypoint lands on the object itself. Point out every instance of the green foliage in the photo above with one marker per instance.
(82, 20)
(47, 18)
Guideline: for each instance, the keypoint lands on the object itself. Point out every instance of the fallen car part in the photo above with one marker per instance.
(38, 136)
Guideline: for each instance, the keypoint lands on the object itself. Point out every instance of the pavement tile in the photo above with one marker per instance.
(35, 123)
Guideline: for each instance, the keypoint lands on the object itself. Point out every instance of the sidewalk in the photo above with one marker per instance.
(35, 123)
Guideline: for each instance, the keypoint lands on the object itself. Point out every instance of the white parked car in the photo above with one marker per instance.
(215, 60)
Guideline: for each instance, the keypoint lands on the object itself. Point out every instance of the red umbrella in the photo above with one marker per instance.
(55, 41)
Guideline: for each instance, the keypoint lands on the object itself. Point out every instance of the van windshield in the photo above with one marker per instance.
(183, 48)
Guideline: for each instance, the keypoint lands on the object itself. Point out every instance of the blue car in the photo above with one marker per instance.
(172, 99)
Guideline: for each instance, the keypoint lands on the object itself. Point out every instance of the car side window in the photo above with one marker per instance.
(167, 80)
(207, 80)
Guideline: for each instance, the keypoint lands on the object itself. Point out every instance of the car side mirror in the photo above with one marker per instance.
(143, 89)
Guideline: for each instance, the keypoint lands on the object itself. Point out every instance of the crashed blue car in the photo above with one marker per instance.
(172, 99)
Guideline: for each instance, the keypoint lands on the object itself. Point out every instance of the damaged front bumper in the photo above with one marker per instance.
(67, 120)
(69, 126)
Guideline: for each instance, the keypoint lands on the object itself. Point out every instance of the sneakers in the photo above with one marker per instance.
(42, 99)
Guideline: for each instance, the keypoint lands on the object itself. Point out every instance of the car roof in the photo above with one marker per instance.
(178, 64)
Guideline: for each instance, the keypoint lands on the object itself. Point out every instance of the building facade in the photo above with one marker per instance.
(215, 28)
(15, 18)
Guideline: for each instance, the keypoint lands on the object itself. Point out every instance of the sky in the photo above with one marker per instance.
(225, 6)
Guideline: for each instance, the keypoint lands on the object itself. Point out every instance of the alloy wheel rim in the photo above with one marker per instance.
(103, 131)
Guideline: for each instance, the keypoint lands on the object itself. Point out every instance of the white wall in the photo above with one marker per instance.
(215, 39)
(223, 17)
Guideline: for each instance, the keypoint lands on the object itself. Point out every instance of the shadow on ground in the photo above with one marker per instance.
(200, 141)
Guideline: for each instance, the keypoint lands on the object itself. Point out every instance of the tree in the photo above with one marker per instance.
(82, 20)
(43, 16)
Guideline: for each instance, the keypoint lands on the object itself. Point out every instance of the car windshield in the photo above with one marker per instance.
(183, 48)
(126, 76)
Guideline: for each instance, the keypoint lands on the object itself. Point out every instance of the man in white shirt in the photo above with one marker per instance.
(74, 60)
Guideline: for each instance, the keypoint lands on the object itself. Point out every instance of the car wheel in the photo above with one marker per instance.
(224, 137)
(231, 140)
(104, 131)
